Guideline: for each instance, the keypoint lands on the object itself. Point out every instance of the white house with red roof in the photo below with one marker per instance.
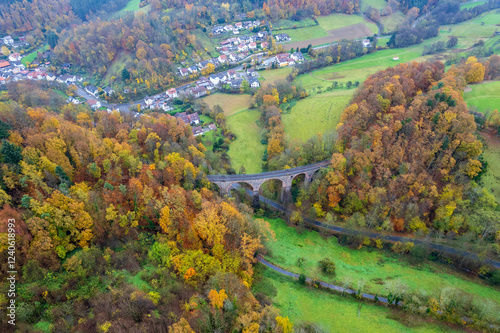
(222, 58)
(172, 93)
(15, 57)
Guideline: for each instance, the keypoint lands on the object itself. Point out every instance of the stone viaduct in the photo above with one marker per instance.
(226, 182)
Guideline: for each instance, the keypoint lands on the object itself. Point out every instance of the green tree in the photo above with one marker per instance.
(11, 153)
(125, 74)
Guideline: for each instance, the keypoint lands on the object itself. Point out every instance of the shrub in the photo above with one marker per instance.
(302, 279)
(327, 266)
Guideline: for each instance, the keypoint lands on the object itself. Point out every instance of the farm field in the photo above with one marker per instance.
(132, 6)
(374, 266)
(331, 28)
(491, 152)
(289, 24)
(337, 21)
(391, 22)
(379, 4)
(484, 97)
(492, 17)
(117, 66)
(332, 312)
(32, 56)
(468, 5)
(270, 76)
(316, 114)
(231, 104)
(246, 149)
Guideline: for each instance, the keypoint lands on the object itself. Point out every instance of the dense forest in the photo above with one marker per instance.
(23, 16)
(97, 196)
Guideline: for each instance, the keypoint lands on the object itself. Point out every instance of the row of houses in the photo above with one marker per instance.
(235, 28)
(9, 41)
(94, 91)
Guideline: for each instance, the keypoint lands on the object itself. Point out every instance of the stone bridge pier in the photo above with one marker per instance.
(226, 182)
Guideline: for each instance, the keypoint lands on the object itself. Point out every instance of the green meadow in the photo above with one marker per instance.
(485, 97)
(373, 266)
(32, 56)
(332, 312)
(317, 114)
(246, 150)
(337, 21)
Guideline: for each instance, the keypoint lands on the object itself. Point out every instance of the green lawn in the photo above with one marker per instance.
(337, 21)
(288, 24)
(132, 6)
(301, 34)
(491, 152)
(246, 149)
(270, 76)
(121, 61)
(468, 5)
(391, 22)
(316, 114)
(379, 4)
(230, 103)
(32, 56)
(491, 17)
(484, 97)
(332, 312)
(374, 266)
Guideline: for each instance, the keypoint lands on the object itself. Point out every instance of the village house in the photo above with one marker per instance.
(254, 83)
(297, 56)
(212, 127)
(193, 69)
(197, 130)
(15, 57)
(236, 83)
(148, 100)
(228, 27)
(222, 58)
(366, 43)
(231, 74)
(252, 46)
(282, 37)
(92, 90)
(264, 45)
(172, 93)
(191, 119)
(109, 91)
(94, 104)
(7, 40)
(4, 64)
(183, 72)
(199, 91)
(251, 72)
(238, 25)
(242, 47)
(50, 77)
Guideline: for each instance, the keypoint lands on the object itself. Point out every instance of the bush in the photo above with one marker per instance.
(327, 266)
(302, 279)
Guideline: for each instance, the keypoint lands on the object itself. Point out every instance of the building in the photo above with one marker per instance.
(222, 58)
(94, 104)
(4, 64)
(197, 130)
(264, 45)
(92, 90)
(183, 72)
(367, 43)
(15, 57)
(7, 40)
(254, 83)
(172, 93)
(193, 69)
(282, 37)
(252, 46)
(297, 56)
(191, 119)
(108, 90)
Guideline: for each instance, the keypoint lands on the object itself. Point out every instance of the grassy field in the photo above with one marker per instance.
(132, 6)
(289, 24)
(270, 76)
(121, 61)
(316, 114)
(337, 21)
(468, 5)
(491, 17)
(334, 313)
(379, 4)
(231, 104)
(371, 265)
(491, 151)
(484, 97)
(246, 149)
(206, 41)
(302, 34)
(32, 56)
(391, 22)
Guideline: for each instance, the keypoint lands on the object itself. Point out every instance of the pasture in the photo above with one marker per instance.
(492, 17)
(316, 114)
(132, 6)
(231, 104)
(491, 152)
(379, 4)
(374, 266)
(332, 312)
(337, 21)
(246, 149)
(121, 61)
(289, 24)
(273, 75)
(484, 97)
(468, 5)
(392, 22)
